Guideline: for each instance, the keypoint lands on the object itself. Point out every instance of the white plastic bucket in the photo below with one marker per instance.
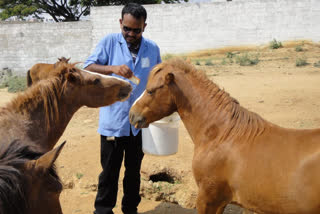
(162, 136)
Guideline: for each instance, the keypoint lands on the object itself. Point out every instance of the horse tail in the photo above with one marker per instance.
(29, 80)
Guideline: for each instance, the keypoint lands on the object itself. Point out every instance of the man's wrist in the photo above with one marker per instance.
(108, 69)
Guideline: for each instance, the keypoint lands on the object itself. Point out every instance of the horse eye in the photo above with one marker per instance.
(96, 81)
(149, 92)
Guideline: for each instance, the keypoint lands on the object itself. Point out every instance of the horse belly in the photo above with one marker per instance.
(278, 185)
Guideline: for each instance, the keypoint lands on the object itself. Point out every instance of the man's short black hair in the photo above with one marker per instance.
(136, 10)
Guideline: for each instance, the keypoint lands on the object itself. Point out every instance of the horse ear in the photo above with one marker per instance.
(71, 77)
(169, 78)
(47, 160)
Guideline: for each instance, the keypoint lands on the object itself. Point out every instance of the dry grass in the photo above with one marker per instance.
(248, 48)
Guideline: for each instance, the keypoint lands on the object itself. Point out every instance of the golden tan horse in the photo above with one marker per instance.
(42, 112)
(41, 71)
(239, 157)
(29, 183)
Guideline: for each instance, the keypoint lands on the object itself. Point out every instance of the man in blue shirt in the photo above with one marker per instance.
(122, 55)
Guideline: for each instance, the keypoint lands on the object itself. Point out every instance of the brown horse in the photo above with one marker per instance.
(41, 71)
(42, 112)
(238, 156)
(28, 181)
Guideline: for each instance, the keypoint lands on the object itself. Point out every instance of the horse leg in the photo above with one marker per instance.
(206, 204)
(210, 208)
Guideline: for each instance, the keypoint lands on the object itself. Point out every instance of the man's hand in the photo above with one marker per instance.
(122, 70)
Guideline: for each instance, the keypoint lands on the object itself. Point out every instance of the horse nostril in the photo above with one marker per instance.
(124, 91)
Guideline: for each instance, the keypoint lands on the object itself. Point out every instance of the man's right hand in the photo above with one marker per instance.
(122, 70)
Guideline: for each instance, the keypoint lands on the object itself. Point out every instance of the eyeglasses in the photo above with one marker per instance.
(134, 30)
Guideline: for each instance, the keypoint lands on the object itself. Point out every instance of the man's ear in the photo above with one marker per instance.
(145, 25)
(169, 78)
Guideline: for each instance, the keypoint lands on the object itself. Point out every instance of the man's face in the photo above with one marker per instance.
(132, 28)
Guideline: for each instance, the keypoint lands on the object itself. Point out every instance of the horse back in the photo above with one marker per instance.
(39, 71)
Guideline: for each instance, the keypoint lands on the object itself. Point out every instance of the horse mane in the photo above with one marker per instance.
(200, 76)
(243, 121)
(12, 181)
(47, 93)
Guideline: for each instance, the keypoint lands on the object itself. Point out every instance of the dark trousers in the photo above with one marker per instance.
(112, 153)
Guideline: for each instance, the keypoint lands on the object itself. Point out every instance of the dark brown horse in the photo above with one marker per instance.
(29, 183)
(42, 112)
(238, 156)
(41, 71)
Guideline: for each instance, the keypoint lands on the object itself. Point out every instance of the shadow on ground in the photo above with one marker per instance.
(169, 208)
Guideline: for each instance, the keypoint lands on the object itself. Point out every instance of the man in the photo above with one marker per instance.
(123, 55)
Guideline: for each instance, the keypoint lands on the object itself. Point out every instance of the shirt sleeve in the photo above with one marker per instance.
(100, 55)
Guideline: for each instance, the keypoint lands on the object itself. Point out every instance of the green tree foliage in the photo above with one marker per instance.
(62, 10)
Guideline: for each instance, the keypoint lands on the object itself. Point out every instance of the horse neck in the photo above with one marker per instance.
(210, 114)
(56, 126)
(46, 115)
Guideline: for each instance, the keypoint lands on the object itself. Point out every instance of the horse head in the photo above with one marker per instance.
(29, 183)
(63, 59)
(92, 89)
(60, 61)
(158, 100)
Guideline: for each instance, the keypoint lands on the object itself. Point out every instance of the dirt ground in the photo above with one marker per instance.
(275, 88)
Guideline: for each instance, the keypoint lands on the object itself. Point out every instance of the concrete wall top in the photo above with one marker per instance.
(176, 28)
(24, 44)
(194, 26)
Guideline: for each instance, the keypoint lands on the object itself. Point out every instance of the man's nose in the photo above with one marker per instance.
(131, 33)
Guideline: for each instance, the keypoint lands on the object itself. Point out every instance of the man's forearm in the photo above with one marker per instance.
(101, 69)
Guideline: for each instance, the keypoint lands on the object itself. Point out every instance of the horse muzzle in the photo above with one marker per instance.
(137, 121)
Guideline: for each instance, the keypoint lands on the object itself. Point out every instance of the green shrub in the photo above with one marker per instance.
(317, 64)
(230, 55)
(198, 62)
(3, 85)
(15, 84)
(223, 62)
(301, 62)
(208, 62)
(79, 175)
(166, 57)
(246, 60)
(274, 44)
(299, 48)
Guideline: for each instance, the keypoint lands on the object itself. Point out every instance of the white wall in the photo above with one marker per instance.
(175, 27)
(188, 27)
(24, 44)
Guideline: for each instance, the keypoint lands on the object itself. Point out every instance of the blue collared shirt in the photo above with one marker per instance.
(113, 50)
